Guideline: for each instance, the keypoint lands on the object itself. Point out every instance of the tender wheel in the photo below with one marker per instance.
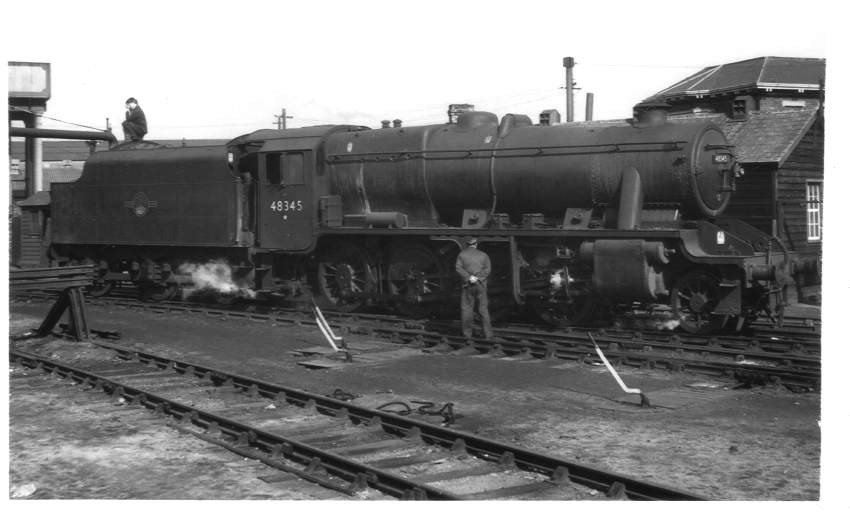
(693, 299)
(159, 292)
(345, 278)
(100, 287)
(225, 299)
(418, 280)
(579, 311)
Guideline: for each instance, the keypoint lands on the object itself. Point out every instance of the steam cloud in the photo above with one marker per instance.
(215, 276)
(662, 322)
(661, 325)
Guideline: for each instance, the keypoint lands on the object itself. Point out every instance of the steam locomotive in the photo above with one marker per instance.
(577, 218)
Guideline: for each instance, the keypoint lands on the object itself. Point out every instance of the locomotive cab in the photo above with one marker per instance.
(276, 195)
(282, 182)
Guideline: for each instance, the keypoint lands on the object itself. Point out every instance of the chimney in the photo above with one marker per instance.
(588, 107)
(385, 123)
(396, 123)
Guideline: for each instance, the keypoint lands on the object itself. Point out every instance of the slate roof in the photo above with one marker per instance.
(763, 137)
(793, 73)
(769, 136)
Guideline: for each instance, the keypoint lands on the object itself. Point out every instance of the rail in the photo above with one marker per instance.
(273, 446)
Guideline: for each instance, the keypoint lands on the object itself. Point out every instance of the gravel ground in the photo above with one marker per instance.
(701, 435)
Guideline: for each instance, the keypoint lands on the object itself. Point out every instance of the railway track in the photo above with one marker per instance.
(334, 443)
(790, 358)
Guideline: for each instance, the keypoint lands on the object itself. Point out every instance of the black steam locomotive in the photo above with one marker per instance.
(576, 217)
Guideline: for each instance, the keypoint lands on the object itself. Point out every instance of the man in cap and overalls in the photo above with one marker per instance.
(473, 266)
(135, 124)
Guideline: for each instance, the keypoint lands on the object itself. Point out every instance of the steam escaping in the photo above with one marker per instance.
(560, 279)
(215, 276)
(661, 324)
(659, 321)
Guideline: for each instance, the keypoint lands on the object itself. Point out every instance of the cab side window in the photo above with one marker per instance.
(285, 169)
(273, 171)
(293, 168)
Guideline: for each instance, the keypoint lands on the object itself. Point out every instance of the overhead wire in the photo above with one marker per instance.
(437, 117)
(648, 66)
(54, 119)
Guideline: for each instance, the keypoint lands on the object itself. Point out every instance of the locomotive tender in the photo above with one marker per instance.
(575, 217)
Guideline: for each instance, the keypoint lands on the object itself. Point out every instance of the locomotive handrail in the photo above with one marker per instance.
(488, 152)
(785, 253)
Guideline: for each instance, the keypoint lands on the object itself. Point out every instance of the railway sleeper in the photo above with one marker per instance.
(258, 444)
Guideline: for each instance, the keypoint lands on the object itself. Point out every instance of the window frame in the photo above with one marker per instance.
(814, 210)
(285, 168)
(292, 174)
(273, 168)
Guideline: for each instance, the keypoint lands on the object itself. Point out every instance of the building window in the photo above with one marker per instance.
(814, 210)
(741, 106)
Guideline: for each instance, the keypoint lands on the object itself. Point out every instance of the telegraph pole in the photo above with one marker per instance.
(569, 62)
(280, 120)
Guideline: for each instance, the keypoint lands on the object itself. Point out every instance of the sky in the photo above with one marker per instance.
(221, 69)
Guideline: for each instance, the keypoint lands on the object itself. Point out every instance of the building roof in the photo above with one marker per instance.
(65, 174)
(56, 150)
(769, 136)
(41, 198)
(769, 73)
(763, 137)
(78, 150)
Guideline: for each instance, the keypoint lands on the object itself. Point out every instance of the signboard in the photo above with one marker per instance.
(29, 80)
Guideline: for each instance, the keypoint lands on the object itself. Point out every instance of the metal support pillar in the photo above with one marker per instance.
(37, 157)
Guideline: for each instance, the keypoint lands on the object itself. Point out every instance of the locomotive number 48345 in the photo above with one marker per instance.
(287, 206)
